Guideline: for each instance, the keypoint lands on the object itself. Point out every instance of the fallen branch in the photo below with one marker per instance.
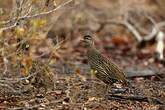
(135, 98)
(133, 30)
(134, 72)
(125, 22)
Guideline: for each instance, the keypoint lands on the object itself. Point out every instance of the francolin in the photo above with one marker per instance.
(103, 68)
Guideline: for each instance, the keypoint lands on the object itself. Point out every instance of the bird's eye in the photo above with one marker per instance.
(87, 37)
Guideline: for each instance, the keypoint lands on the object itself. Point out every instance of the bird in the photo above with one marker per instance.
(103, 68)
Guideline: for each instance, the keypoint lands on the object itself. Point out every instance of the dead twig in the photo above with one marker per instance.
(160, 46)
(27, 16)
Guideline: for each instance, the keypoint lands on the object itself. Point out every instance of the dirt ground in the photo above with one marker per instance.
(66, 82)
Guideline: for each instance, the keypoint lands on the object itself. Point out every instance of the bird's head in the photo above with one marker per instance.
(87, 41)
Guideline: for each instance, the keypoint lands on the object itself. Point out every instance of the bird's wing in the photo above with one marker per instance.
(104, 75)
(113, 69)
(102, 65)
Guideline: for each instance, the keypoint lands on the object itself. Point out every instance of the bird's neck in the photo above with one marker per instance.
(91, 48)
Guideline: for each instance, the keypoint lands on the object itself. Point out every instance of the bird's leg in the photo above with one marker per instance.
(92, 72)
(107, 89)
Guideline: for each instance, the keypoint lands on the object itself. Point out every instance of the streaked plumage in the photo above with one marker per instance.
(106, 70)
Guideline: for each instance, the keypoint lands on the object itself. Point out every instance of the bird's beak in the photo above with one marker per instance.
(82, 42)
